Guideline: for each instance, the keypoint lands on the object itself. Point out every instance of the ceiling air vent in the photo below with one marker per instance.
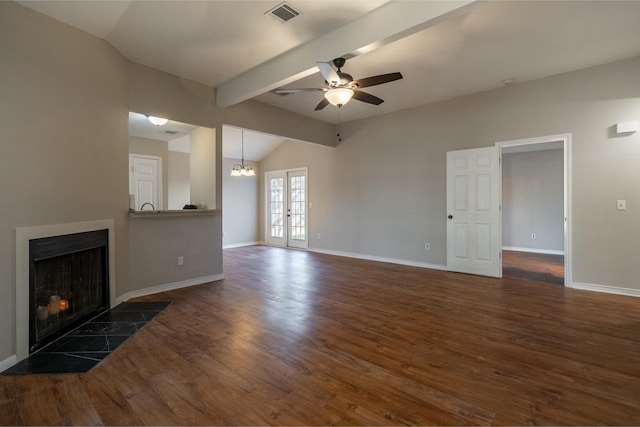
(171, 132)
(283, 12)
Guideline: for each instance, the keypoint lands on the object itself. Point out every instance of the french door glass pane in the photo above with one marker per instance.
(277, 207)
(297, 194)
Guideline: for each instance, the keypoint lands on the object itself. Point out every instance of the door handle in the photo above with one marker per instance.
(450, 217)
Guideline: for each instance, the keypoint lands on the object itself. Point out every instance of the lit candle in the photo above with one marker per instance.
(64, 304)
(43, 312)
(54, 304)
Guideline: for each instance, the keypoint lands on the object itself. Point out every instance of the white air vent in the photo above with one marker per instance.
(283, 12)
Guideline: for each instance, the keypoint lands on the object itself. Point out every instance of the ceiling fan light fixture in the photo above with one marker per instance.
(158, 121)
(339, 96)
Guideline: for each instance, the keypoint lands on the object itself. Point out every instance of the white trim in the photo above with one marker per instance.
(606, 289)
(532, 250)
(565, 138)
(8, 362)
(23, 235)
(168, 287)
(380, 259)
(240, 245)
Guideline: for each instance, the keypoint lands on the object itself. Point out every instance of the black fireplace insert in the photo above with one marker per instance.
(68, 283)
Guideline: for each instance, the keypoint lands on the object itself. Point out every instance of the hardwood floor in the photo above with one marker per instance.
(299, 338)
(526, 265)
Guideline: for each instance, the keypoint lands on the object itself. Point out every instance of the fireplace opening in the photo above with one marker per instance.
(68, 283)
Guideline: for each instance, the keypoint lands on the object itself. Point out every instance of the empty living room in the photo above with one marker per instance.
(319, 213)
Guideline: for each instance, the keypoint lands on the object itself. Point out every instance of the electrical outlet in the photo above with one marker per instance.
(427, 246)
(318, 236)
(180, 260)
(533, 236)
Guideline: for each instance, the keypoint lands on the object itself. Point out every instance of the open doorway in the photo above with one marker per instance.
(535, 203)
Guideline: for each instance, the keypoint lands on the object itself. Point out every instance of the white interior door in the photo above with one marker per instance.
(145, 181)
(287, 208)
(473, 212)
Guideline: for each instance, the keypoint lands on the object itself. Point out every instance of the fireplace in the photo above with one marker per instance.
(68, 283)
(78, 279)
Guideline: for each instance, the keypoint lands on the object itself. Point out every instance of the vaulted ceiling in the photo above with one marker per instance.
(444, 49)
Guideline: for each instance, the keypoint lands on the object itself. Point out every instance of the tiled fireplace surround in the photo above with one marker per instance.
(23, 236)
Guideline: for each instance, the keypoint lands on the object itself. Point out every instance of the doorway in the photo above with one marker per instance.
(535, 208)
(287, 208)
(474, 211)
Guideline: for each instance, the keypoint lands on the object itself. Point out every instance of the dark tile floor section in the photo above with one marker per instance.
(85, 347)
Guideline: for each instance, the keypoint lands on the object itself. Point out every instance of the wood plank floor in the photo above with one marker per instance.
(546, 268)
(299, 338)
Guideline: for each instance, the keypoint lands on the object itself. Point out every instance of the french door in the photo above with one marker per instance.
(287, 208)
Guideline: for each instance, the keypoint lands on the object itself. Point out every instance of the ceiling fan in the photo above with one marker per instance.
(341, 87)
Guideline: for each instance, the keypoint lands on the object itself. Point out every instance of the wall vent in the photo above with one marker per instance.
(283, 12)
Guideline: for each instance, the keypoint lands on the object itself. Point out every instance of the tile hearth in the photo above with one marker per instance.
(85, 347)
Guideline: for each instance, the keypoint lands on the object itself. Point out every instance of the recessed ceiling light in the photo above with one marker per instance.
(509, 82)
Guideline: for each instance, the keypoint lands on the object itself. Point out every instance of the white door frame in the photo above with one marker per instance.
(565, 138)
(267, 189)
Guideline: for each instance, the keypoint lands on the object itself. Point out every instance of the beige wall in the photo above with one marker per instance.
(64, 149)
(179, 180)
(240, 200)
(385, 196)
(64, 153)
(203, 166)
(533, 200)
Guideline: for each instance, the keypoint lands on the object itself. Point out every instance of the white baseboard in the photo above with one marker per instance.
(534, 251)
(8, 362)
(168, 287)
(379, 259)
(240, 245)
(606, 289)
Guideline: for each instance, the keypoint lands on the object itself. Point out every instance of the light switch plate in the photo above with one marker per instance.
(621, 205)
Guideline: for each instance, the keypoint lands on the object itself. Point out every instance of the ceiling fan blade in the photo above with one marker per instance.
(283, 91)
(321, 104)
(328, 72)
(367, 97)
(378, 80)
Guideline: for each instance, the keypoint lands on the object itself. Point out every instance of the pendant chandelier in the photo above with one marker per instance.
(242, 169)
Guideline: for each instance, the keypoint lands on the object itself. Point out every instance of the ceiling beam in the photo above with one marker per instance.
(390, 22)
